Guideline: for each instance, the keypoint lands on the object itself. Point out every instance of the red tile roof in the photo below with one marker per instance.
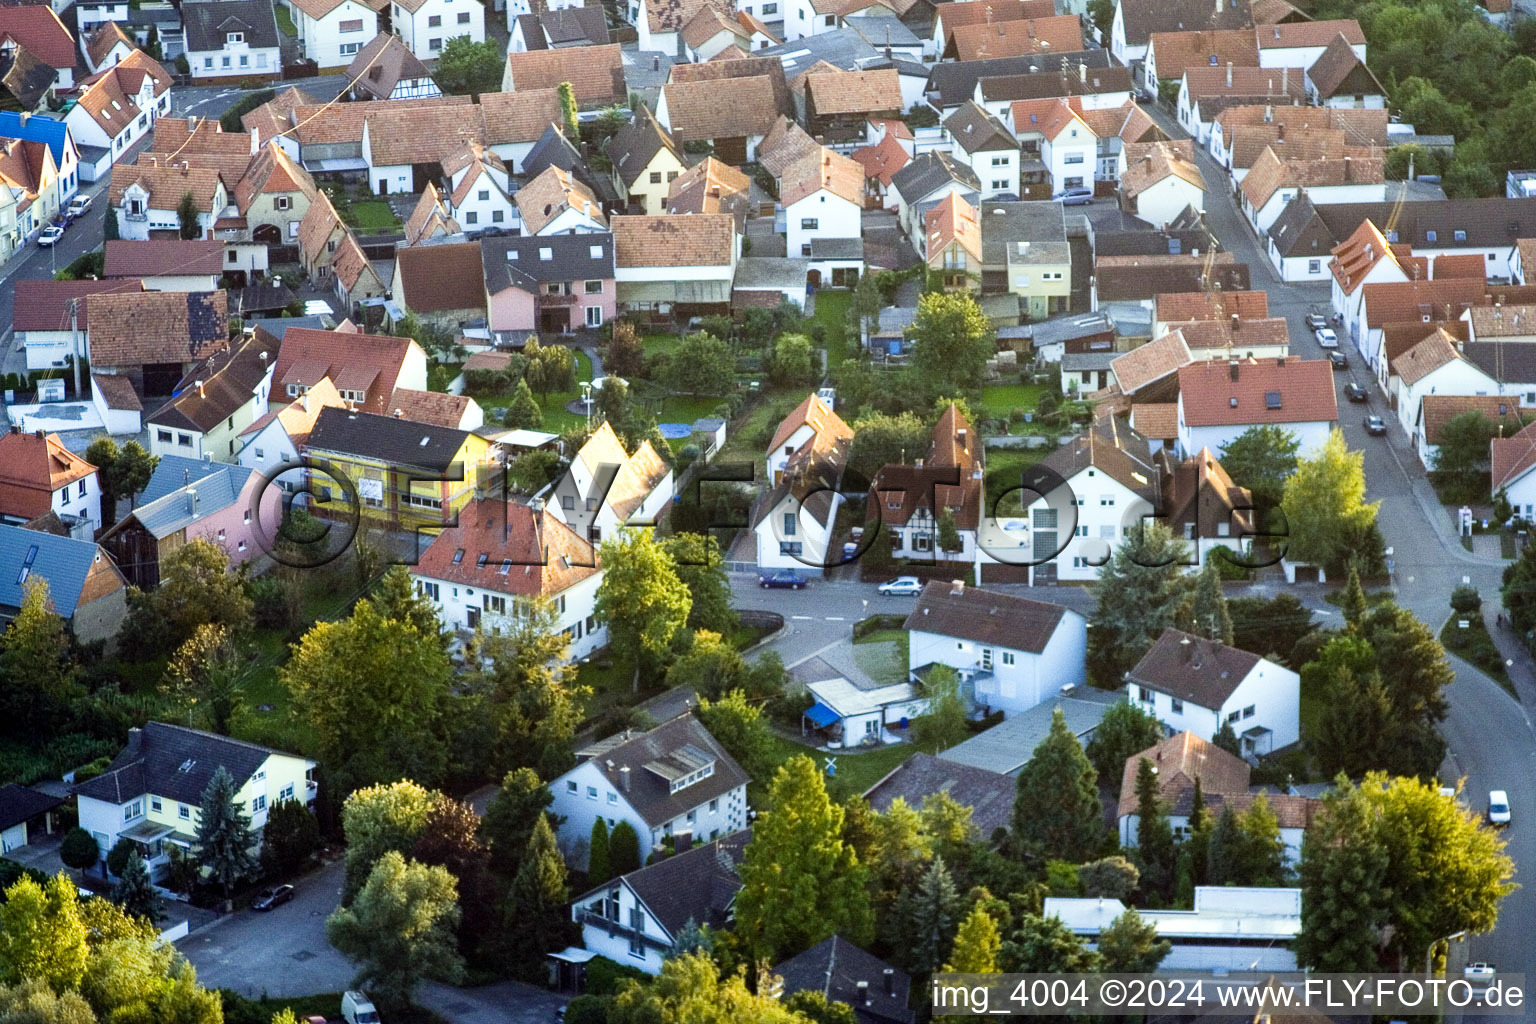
(1212, 397)
(1514, 456)
(152, 259)
(507, 548)
(818, 415)
(883, 159)
(38, 30)
(44, 305)
(315, 354)
(1179, 760)
(32, 467)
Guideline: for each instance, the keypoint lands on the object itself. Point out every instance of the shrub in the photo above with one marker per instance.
(1227, 563)
(1466, 599)
(605, 977)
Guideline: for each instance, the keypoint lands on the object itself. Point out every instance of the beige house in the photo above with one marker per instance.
(645, 163)
(274, 196)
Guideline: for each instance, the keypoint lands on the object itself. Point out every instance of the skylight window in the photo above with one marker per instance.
(546, 253)
(1271, 399)
(595, 251)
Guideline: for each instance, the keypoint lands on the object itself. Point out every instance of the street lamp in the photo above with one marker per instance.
(1430, 952)
(586, 400)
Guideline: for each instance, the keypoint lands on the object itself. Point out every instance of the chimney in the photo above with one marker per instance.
(1232, 368)
(624, 778)
(1229, 74)
(956, 587)
(1269, 113)
(863, 989)
(1285, 81)
(399, 414)
(1281, 137)
(1082, 71)
(135, 739)
(1280, 361)
(890, 981)
(200, 392)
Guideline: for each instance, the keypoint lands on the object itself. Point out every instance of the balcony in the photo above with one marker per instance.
(546, 301)
(129, 216)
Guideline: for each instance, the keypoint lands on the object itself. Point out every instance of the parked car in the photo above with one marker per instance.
(1355, 393)
(1074, 197)
(784, 579)
(1375, 426)
(78, 205)
(902, 586)
(1339, 360)
(51, 234)
(269, 899)
(1326, 338)
(1498, 807)
(357, 1009)
(1315, 321)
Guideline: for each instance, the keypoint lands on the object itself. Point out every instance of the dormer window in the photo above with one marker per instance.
(235, 37)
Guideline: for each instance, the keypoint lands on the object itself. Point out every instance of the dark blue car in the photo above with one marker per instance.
(785, 578)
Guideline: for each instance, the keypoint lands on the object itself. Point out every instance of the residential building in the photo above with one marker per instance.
(1231, 928)
(1170, 308)
(927, 179)
(432, 218)
(645, 162)
(839, 103)
(710, 186)
(400, 472)
(1358, 176)
(983, 142)
(440, 282)
(1131, 283)
(1136, 20)
(151, 792)
(843, 973)
(271, 445)
(1512, 459)
(1160, 180)
(638, 918)
(59, 139)
(674, 780)
(558, 203)
(1436, 411)
(1340, 78)
(365, 369)
(1006, 747)
(952, 244)
(558, 29)
(86, 588)
(1429, 303)
(1011, 652)
(988, 794)
(38, 475)
(480, 193)
(1170, 54)
(1205, 92)
(596, 73)
(115, 109)
(1225, 340)
(51, 320)
(1024, 251)
(1264, 124)
(733, 114)
(216, 402)
(426, 25)
(914, 500)
(386, 69)
(553, 283)
(1301, 44)
(1435, 366)
(167, 266)
(1057, 143)
(515, 121)
(146, 197)
(986, 41)
(90, 15)
(792, 521)
(155, 338)
(678, 265)
(28, 173)
(486, 571)
(1217, 403)
(881, 162)
(946, 21)
(332, 32)
(231, 39)
(822, 195)
(606, 488)
(274, 195)
(40, 55)
(1196, 685)
(192, 499)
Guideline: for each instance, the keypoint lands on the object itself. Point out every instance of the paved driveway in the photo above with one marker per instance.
(281, 953)
(506, 1002)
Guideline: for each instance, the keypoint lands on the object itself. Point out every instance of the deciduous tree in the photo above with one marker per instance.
(289, 839)
(1261, 458)
(698, 562)
(400, 929)
(42, 935)
(880, 440)
(207, 675)
(800, 882)
(1045, 945)
(952, 339)
(702, 365)
(943, 723)
(568, 111)
(1110, 877)
(690, 990)
(468, 67)
(530, 692)
(196, 588)
(78, 849)
(793, 362)
(641, 598)
(623, 356)
(738, 726)
(377, 819)
(1324, 504)
(396, 597)
(40, 676)
(710, 667)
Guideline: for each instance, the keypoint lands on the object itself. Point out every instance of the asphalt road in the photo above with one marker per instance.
(36, 263)
(214, 100)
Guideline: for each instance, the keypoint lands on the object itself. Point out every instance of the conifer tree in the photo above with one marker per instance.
(598, 865)
(224, 837)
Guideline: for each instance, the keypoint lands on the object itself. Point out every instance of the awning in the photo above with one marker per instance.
(340, 163)
(822, 715)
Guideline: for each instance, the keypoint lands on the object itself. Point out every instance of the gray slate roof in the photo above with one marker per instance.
(1042, 225)
(951, 83)
(766, 272)
(63, 561)
(843, 48)
(988, 794)
(184, 506)
(569, 26)
(930, 172)
(18, 803)
(1008, 746)
(208, 22)
(397, 442)
(174, 762)
(1066, 328)
(570, 259)
(1076, 362)
(648, 793)
(837, 248)
(175, 471)
(976, 131)
(835, 967)
(697, 885)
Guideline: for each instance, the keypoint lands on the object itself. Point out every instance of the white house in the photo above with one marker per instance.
(850, 715)
(1513, 459)
(150, 793)
(661, 263)
(1437, 411)
(556, 202)
(606, 488)
(274, 441)
(25, 814)
(115, 109)
(823, 197)
(1136, 20)
(1224, 782)
(1435, 367)
(231, 39)
(638, 918)
(674, 780)
(983, 143)
(946, 480)
(483, 572)
(1011, 652)
(1299, 44)
(1160, 180)
(480, 192)
(39, 474)
(1197, 685)
(215, 402)
(1068, 146)
(1366, 257)
(1273, 182)
(146, 196)
(793, 520)
(331, 32)
(426, 25)
(928, 178)
(1219, 402)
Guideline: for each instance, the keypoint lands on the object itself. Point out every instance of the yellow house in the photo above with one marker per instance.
(645, 162)
(151, 794)
(404, 473)
(952, 243)
(274, 196)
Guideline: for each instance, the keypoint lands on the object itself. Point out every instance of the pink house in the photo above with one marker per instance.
(188, 499)
(549, 283)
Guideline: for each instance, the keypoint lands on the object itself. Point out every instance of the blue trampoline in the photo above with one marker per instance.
(673, 431)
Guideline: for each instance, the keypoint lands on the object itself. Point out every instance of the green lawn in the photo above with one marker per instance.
(1004, 469)
(373, 215)
(885, 662)
(832, 314)
(1476, 646)
(285, 23)
(1001, 399)
(856, 770)
(652, 344)
(556, 419)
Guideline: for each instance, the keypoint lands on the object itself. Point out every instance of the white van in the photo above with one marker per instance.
(356, 1009)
